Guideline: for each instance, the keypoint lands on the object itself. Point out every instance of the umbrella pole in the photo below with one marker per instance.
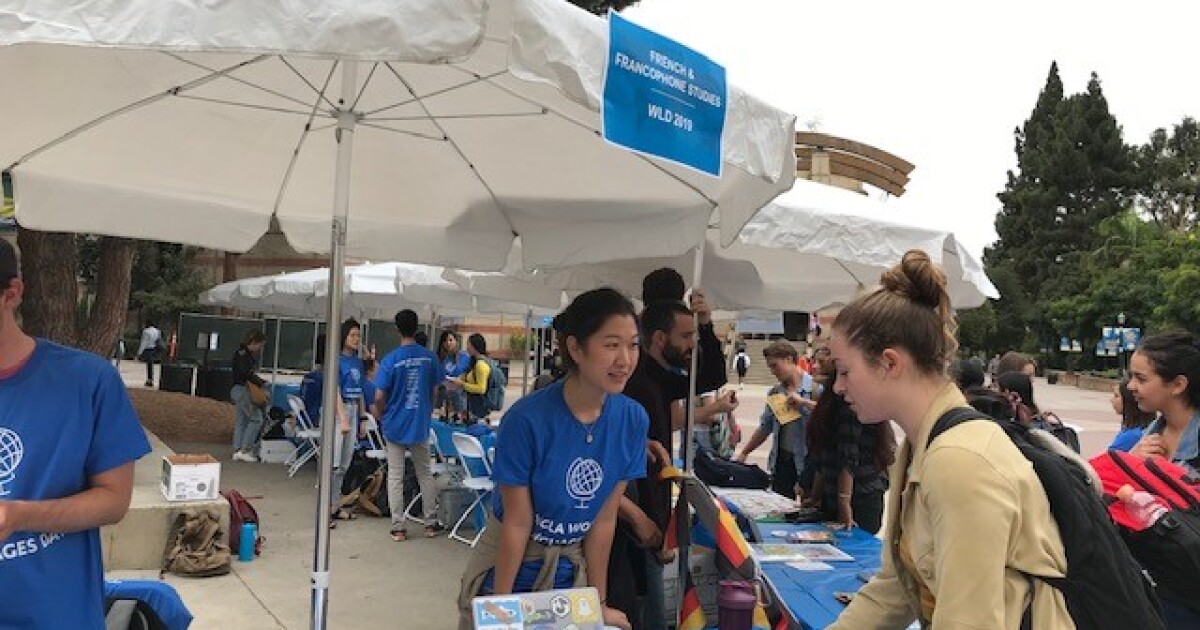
(683, 521)
(525, 360)
(275, 365)
(341, 212)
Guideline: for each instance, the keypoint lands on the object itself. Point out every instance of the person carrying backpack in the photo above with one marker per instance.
(972, 541)
(480, 381)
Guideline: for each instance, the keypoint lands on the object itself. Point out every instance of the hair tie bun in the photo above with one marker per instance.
(917, 278)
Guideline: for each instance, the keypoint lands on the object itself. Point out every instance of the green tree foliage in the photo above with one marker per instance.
(165, 281)
(1169, 166)
(1074, 171)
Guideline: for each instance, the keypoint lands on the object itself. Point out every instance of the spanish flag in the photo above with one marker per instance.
(691, 615)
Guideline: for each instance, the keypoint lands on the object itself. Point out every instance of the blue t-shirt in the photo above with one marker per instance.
(542, 446)
(457, 365)
(1126, 439)
(407, 376)
(350, 377)
(311, 387)
(64, 417)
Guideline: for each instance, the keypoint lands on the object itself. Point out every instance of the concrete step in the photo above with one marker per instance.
(138, 540)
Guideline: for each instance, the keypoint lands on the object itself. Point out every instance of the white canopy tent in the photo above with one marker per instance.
(370, 291)
(813, 247)
(198, 122)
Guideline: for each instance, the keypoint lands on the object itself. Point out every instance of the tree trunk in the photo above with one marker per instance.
(50, 270)
(113, 276)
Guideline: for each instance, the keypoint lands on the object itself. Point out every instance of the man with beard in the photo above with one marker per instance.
(668, 335)
(666, 285)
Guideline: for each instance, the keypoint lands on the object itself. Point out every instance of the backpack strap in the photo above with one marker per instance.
(953, 418)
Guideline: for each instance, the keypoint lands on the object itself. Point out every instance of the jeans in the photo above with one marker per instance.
(784, 477)
(343, 453)
(419, 454)
(248, 420)
(653, 603)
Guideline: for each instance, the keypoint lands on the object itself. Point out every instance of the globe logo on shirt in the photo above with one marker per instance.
(11, 452)
(584, 478)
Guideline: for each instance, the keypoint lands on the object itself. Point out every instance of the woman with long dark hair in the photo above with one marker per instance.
(248, 418)
(455, 362)
(563, 458)
(851, 460)
(1133, 420)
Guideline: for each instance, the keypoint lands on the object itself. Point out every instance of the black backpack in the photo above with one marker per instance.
(724, 473)
(1104, 587)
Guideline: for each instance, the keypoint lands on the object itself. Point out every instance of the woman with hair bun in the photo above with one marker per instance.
(967, 519)
(563, 457)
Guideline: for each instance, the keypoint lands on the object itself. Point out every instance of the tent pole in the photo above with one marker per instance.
(685, 442)
(341, 212)
(275, 364)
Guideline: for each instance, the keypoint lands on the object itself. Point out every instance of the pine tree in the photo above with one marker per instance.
(1073, 172)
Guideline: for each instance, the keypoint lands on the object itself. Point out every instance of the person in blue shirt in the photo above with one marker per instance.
(313, 383)
(455, 363)
(351, 372)
(1133, 419)
(404, 386)
(564, 455)
(68, 441)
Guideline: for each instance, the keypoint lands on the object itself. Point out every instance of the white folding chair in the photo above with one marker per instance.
(435, 468)
(308, 434)
(470, 451)
(377, 451)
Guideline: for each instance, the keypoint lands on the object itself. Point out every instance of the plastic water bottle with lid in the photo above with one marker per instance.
(736, 600)
(1141, 505)
(246, 541)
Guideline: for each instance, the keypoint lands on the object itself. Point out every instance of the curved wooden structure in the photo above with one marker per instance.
(849, 164)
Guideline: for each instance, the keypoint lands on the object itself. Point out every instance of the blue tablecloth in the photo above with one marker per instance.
(808, 595)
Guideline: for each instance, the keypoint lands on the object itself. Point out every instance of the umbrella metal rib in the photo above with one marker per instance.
(236, 79)
(124, 109)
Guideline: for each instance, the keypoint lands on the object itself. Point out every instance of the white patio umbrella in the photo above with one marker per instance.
(814, 246)
(370, 291)
(198, 122)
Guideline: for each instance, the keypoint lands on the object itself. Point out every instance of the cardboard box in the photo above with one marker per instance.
(190, 477)
(706, 579)
(275, 451)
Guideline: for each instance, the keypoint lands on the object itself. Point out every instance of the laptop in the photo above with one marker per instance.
(570, 609)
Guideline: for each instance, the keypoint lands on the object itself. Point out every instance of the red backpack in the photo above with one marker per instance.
(1170, 548)
(240, 511)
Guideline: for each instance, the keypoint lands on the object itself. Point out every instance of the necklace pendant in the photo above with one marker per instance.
(589, 438)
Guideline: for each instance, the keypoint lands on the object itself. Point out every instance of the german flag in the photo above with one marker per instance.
(761, 622)
(730, 541)
(691, 615)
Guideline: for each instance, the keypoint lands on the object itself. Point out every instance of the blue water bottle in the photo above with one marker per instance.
(246, 541)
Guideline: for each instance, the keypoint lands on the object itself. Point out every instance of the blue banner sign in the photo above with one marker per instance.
(663, 98)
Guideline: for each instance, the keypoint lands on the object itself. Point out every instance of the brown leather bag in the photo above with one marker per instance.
(194, 547)
(258, 394)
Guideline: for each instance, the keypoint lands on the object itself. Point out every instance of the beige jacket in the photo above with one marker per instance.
(974, 516)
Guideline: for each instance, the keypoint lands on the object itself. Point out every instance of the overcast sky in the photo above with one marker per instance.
(944, 84)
